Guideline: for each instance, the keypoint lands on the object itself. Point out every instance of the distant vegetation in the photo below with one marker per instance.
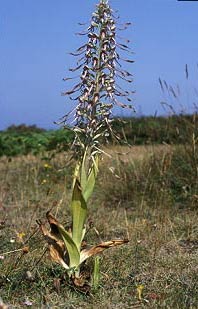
(22, 139)
(176, 129)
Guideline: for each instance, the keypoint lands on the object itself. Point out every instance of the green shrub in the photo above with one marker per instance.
(22, 143)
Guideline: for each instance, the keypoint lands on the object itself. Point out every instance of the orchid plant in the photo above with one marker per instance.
(96, 93)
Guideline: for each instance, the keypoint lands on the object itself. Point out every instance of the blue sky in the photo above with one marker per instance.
(35, 36)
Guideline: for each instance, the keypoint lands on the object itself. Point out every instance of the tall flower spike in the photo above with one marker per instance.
(98, 90)
(96, 94)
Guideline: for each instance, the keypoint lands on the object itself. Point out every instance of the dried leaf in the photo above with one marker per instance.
(56, 245)
(86, 253)
(69, 244)
(54, 228)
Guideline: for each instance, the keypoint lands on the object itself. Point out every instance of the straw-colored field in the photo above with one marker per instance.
(138, 195)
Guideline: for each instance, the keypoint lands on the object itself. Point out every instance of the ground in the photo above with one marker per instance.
(136, 197)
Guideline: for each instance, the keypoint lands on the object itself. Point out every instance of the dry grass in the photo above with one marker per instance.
(128, 201)
(130, 153)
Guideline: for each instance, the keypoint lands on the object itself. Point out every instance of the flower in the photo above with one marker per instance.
(28, 303)
(20, 236)
(140, 289)
(98, 92)
(46, 165)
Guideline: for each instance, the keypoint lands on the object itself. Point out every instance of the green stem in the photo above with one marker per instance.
(96, 273)
(98, 74)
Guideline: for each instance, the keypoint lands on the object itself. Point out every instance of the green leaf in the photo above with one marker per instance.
(88, 190)
(83, 176)
(74, 255)
(79, 214)
(76, 173)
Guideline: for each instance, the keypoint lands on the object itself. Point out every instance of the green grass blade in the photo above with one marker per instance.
(96, 273)
(79, 214)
